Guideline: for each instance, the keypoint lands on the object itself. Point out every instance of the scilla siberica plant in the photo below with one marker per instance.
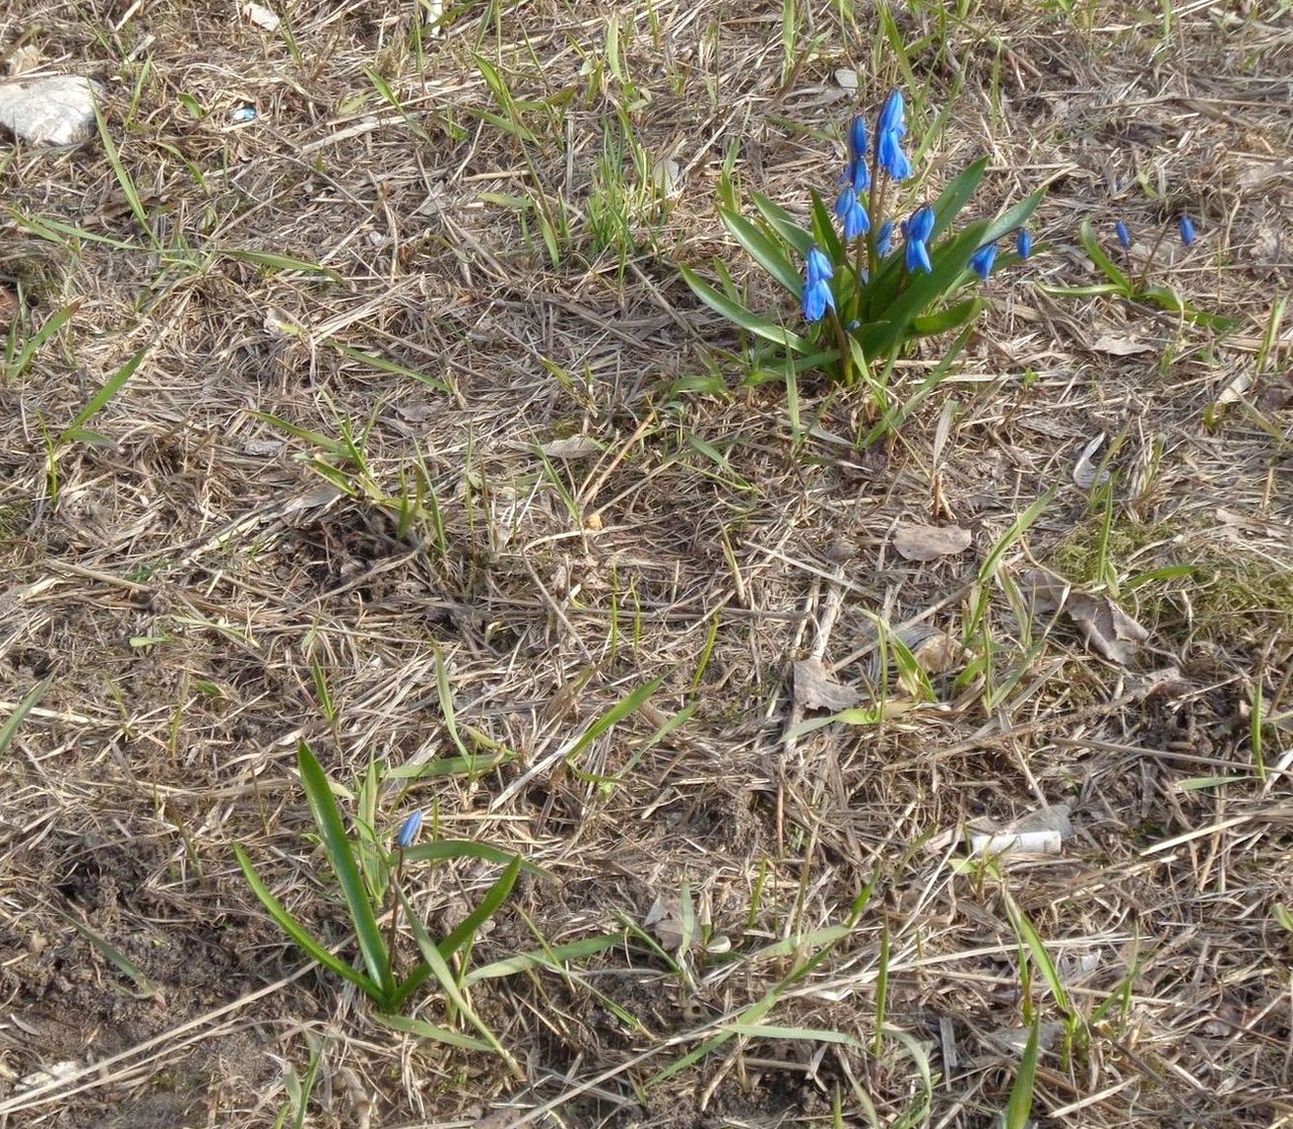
(864, 296)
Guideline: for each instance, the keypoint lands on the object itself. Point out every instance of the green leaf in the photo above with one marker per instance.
(273, 261)
(297, 931)
(764, 251)
(435, 961)
(336, 845)
(1107, 266)
(385, 364)
(425, 1030)
(103, 396)
(1020, 1106)
(9, 730)
(613, 717)
(466, 848)
(956, 195)
(549, 958)
(784, 224)
(739, 315)
(951, 317)
(489, 904)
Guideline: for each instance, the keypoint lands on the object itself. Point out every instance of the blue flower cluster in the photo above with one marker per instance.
(888, 160)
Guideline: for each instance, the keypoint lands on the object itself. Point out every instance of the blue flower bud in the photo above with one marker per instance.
(856, 220)
(921, 224)
(859, 174)
(817, 289)
(884, 240)
(891, 157)
(1024, 243)
(819, 266)
(893, 118)
(1188, 235)
(918, 230)
(409, 830)
(982, 259)
(857, 139)
(1124, 236)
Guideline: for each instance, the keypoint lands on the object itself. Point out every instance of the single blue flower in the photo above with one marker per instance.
(921, 225)
(884, 240)
(857, 139)
(1024, 243)
(918, 230)
(1124, 236)
(856, 220)
(1188, 235)
(982, 259)
(819, 266)
(817, 288)
(859, 174)
(844, 201)
(891, 157)
(409, 830)
(893, 118)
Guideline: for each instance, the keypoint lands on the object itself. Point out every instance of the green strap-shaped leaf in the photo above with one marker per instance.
(337, 847)
(297, 931)
(494, 897)
(784, 224)
(1110, 269)
(739, 315)
(764, 251)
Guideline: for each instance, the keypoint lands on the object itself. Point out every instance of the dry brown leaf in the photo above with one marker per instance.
(575, 447)
(665, 920)
(1086, 471)
(1118, 345)
(1109, 630)
(929, 542)
(1105, 627)
(815, 689)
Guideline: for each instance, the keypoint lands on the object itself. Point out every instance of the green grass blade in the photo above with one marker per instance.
(323, 806)
(104, 395)
(385, 364)
(273, 261)
(613, 717)
(117, 957)
(784, 224)
(424, 1030)
(466, 848)
(32, 345)
(13, 723)
(435, 960)
(1020, 1106)
(549, 959)
(297, 931)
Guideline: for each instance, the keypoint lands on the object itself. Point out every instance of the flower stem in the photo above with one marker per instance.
(395, 911)
(1149, 259)
(846, 354)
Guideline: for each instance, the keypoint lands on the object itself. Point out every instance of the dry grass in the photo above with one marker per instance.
(178, 584)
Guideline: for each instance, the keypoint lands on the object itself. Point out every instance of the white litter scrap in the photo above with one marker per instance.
(49, 110)
(261, 16)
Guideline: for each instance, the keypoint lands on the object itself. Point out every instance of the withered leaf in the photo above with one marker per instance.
(1106, 628)
(1117, 345)
(815, 689)
(929, 542)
